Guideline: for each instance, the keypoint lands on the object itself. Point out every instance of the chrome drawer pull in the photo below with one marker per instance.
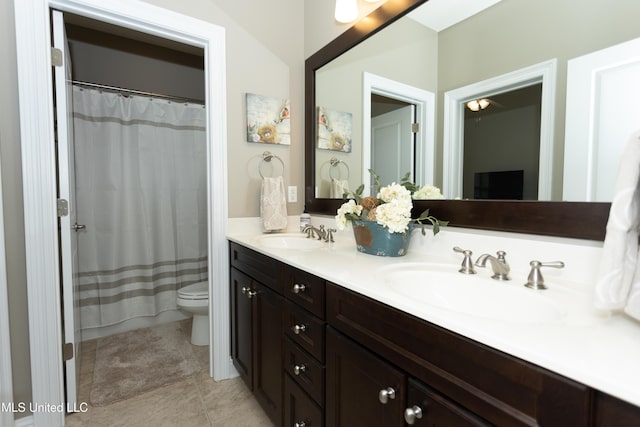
(297, 329)
(250, 293)
(298, 369)
(300, 424)
(386, 394)
(299, 288)
(413, 413)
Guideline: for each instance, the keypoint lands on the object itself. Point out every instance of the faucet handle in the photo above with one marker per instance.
(467, 263)
(535, 279)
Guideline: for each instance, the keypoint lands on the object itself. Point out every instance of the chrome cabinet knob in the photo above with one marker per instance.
(298, 369)
(298, 288)
(300, 424)
(298, 329)
(413, 413)
(78, 227)
(385, 394)
(250, 293)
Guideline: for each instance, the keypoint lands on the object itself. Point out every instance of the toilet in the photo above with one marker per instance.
(195, 299)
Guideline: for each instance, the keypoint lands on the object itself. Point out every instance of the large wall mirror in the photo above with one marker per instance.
(401, 62)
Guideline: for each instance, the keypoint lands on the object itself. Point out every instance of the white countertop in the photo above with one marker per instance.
(597, 349)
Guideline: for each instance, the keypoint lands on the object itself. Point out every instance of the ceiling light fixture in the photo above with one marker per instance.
(478, 104)
(346, 11)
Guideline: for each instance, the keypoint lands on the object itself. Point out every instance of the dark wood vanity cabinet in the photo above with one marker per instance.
(316, 354)
(257, 339)
(482, 386)
(278, 336)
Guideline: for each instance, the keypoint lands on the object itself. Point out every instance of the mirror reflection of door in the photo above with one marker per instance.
(502, 146)
(392, 139)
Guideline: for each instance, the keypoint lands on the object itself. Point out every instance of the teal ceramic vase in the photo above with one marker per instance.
(375, 239)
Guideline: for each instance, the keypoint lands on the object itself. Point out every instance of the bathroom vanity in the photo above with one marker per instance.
(329, 349)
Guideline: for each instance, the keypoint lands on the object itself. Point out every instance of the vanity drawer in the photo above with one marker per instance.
(305, 329)
(299, 408)
(305, 370)
(306, 290)
(260, 267)
(499, 388)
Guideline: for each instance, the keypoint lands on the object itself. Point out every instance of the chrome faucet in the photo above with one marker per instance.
(499, 265)
(321, 233)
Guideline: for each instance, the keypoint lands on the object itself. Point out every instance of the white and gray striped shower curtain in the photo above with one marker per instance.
(141, 192)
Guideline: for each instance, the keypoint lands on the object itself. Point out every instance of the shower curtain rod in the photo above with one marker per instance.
(138, 92)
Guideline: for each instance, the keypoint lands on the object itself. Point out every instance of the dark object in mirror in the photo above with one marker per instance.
(582, 220)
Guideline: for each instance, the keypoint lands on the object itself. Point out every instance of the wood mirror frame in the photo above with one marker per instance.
(581, 220)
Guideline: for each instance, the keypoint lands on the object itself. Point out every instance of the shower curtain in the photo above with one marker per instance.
(141, 192)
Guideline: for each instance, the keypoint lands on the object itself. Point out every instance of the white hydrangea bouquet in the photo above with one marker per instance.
(392, 206)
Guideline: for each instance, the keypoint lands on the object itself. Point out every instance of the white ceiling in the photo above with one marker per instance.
(441, 14)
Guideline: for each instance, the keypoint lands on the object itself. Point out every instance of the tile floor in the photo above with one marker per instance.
(196, 401)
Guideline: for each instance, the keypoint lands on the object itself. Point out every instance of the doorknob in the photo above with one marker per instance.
(77, 226)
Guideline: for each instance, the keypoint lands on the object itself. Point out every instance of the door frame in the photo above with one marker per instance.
(6, 384)
(454, 104)
(425, 103)
(39, 176)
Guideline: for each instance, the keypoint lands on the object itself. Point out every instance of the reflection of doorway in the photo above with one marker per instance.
(502, 145)
(392, 139)
(424, 103)
(454, 106)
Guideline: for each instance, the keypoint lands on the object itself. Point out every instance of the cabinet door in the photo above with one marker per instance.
(427, 408)
(268, 350)
(358, 383)
(241, 323)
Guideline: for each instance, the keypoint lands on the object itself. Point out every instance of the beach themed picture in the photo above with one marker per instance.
(268, 120)
(334, 130)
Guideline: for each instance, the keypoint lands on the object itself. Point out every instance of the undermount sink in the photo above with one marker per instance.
(442, 287)
(289, 241)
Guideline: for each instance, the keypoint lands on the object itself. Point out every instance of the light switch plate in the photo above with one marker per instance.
(292, 194)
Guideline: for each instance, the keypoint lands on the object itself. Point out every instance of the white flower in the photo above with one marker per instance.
(395, 215)
(394, 192)
(349, 207)
(428, 192)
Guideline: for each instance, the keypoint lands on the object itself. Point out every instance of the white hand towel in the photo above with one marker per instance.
(338, 188)
(273, 204)
(618, 285)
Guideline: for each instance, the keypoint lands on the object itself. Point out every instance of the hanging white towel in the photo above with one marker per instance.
(618, 285)
(273, 204)
(338, 188)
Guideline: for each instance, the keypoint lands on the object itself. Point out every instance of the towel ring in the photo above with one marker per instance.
(334, 164)
(266, 158)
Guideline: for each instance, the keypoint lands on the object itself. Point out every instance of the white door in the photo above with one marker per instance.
(603, 89)
(68, 225)
(392, 145)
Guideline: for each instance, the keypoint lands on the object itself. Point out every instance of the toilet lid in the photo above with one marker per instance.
(198, 290)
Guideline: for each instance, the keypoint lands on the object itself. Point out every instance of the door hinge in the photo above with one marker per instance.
(63, 207)
(56, 57)
(67, 351)
(415, 127)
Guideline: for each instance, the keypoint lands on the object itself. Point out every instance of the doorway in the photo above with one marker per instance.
(423, 102)
(135, 169)
(455, 103)
(38, 154)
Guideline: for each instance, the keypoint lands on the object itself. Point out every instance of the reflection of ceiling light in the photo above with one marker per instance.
(478, 104)
(346, 10)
